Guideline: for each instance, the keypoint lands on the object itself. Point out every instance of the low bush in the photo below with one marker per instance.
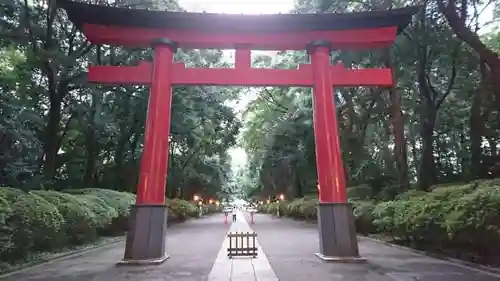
(363, 214)
(36, 225)
(80, 221)
(460, 218)
(180, 210)
(113, 207)
(211, 209)
(46, 220)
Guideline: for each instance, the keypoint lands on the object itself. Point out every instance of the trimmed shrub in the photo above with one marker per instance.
(473, 222)
(10, 194)
(79, 218)
(118, 205)
(211, 209)
(104, 213)
(46, 220)
(180, 210)
(6, 232)
(362, 211)
(36, 224)
(462, 218)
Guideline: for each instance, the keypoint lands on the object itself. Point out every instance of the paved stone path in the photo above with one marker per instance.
(290, 246)
(241, 268)
(286, 253)
(192, 247)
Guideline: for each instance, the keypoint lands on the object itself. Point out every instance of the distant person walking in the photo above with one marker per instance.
(234, 214)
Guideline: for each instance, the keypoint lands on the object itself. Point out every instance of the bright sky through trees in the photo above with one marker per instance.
(238, 6)
(238, 155)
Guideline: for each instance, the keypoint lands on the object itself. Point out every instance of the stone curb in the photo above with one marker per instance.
(469, 265)
(61, 257)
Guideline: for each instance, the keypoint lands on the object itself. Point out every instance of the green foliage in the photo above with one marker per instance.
(360, 192)
(37, 224)
(6, 232)
(464, 217)
(456, 217)
(91, 136)
(120, 201)
(47, 220)
(179, 210)
(211, 209)
(363, 213)
(80, 220)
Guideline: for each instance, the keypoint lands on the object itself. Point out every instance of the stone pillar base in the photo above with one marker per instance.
(337, 233)
(146, 235)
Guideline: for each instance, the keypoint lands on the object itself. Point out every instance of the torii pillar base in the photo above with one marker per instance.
(146, 235)
(337, 234)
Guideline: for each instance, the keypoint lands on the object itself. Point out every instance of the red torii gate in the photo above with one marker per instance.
(166, 31)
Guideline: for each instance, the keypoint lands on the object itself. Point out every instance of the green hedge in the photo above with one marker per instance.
(211, 209)
(462, 217)
(180, 210)
(46, 220)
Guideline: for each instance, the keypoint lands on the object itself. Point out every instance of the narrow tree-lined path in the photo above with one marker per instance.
(287, 248)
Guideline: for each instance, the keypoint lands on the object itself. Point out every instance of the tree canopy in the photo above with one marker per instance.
(58, 131)
(438, 124)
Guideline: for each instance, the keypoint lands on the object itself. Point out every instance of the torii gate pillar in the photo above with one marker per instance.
(337, 232)
(148, 217)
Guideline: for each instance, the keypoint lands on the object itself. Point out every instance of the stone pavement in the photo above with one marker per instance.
(290, 246)
(241, 268)
(192, 247)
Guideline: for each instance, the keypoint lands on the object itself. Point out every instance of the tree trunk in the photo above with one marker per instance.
(299, 192)
(386, 154)
(126, 131)
(398, 126)
(414, 151)
(91, 145)
(51, 143)
(427, 167)
(475, 135)
(493, 147)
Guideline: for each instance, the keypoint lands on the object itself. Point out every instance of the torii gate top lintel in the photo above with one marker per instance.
(145, 28)
(138, 27)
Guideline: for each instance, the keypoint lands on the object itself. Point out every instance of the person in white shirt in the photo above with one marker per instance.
(234, 214)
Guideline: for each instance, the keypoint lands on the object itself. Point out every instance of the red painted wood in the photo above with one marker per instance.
(241, 76)
(340, 77)
(121, 75)
(243, 58)
(329, 165)
(153, 169)
(341, 39)
(365, 77)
